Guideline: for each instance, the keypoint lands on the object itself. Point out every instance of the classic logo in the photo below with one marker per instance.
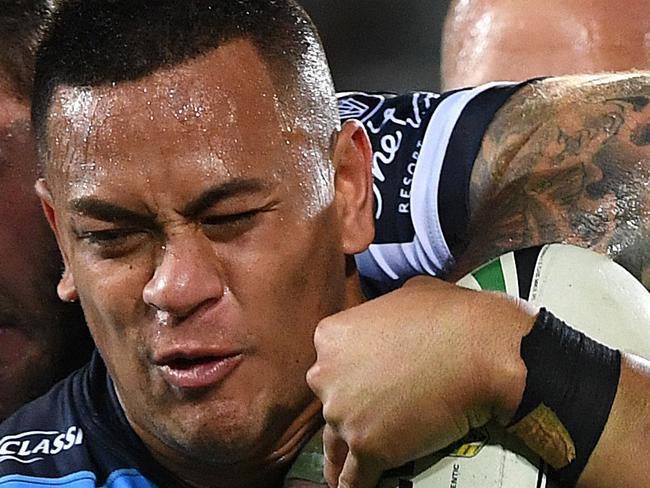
(29, 447)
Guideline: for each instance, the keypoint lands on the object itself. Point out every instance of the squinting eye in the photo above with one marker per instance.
(230, 226)
(230, 219)
(103, 236)
(112, 242)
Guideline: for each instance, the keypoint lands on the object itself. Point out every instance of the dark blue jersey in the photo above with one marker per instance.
(76, 436)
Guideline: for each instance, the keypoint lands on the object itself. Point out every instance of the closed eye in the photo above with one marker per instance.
(107, 236)
(113, 243)
(227, 219)
(228, 227)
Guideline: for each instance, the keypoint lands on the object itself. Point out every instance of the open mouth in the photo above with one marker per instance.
(189, 363)
(192, 372)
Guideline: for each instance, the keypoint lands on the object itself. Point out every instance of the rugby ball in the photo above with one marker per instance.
(588, 291)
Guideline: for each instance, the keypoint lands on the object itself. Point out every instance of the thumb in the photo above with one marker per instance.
(335, 450)
(358, 474)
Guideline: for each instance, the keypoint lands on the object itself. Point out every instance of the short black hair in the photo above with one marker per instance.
(99, 42)
(21, 26)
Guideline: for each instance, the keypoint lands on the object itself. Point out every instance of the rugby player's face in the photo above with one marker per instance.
(202, 235)
(30, 342)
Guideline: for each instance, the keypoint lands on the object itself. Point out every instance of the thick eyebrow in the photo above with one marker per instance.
(101, 210)
(230, 189)
(108, 212)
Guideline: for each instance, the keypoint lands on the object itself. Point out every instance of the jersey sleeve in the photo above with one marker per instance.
(424, 147)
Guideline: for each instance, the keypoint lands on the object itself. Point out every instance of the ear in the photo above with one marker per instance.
(353, 183)
(66, 288)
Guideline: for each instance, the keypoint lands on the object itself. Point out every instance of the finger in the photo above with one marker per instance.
(335, 450)
(357, 474)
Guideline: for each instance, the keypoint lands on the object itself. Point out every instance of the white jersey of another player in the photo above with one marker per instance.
(425, 146)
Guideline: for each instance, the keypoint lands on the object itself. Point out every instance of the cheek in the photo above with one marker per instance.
(110, 293)
(111, 297)
(289, 284)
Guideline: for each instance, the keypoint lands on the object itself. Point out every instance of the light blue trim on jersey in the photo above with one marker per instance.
(128, 478)
(123, 478)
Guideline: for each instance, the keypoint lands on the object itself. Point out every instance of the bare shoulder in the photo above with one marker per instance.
(566, 160)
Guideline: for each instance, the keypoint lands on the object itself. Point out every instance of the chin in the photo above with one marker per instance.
(220, 434)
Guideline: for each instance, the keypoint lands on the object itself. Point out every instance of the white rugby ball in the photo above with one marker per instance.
(588, 291)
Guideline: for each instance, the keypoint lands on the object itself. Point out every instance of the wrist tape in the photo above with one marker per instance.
(570, 388)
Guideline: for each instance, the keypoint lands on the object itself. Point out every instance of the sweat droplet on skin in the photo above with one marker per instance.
(163, 318)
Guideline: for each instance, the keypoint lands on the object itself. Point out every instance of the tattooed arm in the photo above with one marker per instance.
(566, 160)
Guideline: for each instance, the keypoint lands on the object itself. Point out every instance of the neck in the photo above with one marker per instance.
(262, 472)
(353, 291)
(270, 471)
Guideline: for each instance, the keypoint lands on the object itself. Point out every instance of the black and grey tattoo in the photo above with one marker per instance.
(572, 169)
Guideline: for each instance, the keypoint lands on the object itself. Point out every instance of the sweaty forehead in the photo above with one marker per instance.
(224, 102)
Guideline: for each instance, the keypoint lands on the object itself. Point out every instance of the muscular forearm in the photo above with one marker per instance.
(620, 458)
(429, 362)
(594, 434)
(566, 160)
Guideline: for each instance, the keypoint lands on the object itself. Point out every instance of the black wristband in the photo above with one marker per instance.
(572, 380)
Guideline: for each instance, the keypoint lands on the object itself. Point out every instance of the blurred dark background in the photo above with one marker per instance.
(381, 45)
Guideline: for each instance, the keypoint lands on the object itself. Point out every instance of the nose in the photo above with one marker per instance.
(187, 277)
